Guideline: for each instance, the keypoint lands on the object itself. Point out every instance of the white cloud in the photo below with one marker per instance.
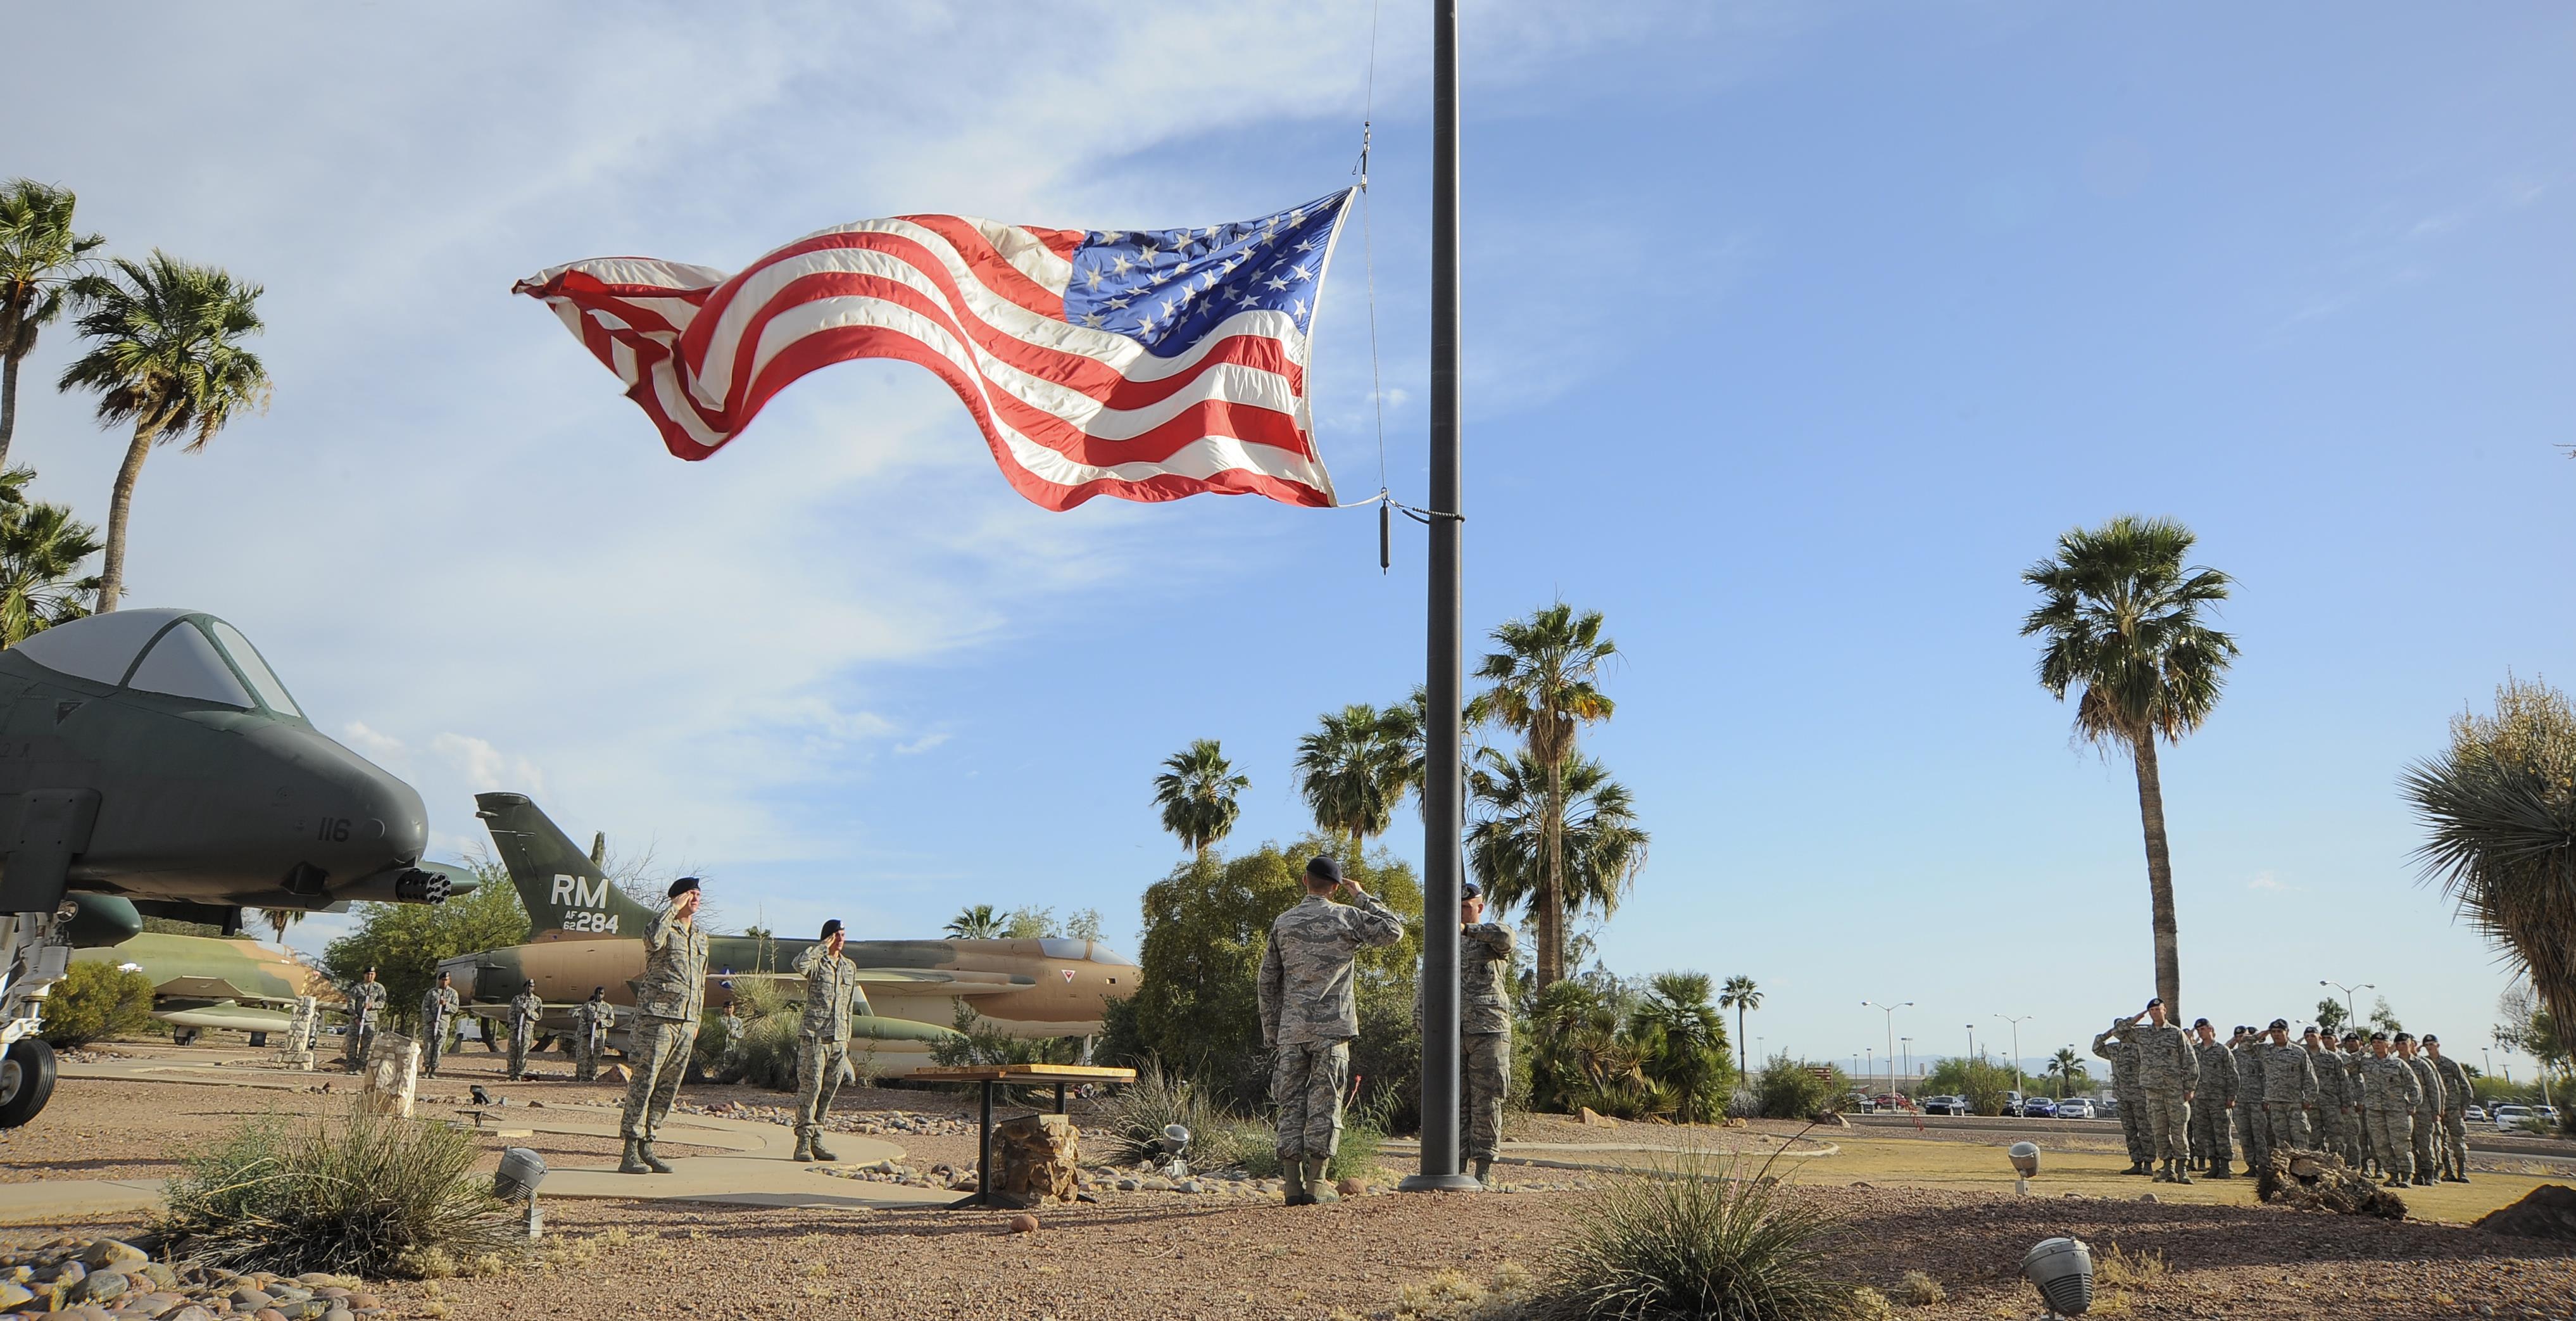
(922, 744)
(2267, 881)
(487, 768)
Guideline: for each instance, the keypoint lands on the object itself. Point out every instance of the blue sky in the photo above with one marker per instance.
(1794, 334)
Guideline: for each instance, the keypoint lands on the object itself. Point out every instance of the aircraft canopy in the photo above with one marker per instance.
(183, 653)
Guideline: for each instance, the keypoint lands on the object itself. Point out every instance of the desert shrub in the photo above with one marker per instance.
(1920, 1290)
(2117, 1268)
(1132, 1118)
(94, 1002)
(1699, 1238)
(1789, 1089)
(368, 1195)
(1452, 1295)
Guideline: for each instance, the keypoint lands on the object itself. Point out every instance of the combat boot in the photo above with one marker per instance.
(821, 1152)
(2137, 1167)
(1485, 1170)
(1319, 1180)
(1292, 1179)
(2180, 1175)
(804, 1148)
(644, 1152)
(633, 1163)
(2163, 1173)
(2221, 1170)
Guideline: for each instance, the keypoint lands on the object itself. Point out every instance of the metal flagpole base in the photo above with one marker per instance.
(1440, 1183)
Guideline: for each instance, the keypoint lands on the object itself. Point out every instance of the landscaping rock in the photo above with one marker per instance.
(108, 1253)
(1024, 1223)
(103, 1287)
(13, 1293)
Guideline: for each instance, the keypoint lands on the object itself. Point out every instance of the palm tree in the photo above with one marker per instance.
(1196, 792)
(981, 922)
(2122, 618)
(40, 253)
(166, 356)
(41, 548)
(1689, 1039)
(279, 919)
(1740, 994)
(1351, 771)
(2066, 1067)
(2499, 811)
(1541, 685)
(1599, 843)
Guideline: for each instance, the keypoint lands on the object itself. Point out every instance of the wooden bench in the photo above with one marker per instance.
(990, 1076)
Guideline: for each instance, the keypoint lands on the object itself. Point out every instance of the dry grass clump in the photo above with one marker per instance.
(2117, 1268)
(1700, 1238)
(1453, 1296)
(1920, 1290)
(369, 1195)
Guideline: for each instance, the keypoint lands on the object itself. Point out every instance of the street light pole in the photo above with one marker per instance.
(2016, 1040)
(2352, 1012)
(1972, 1042)
(1908, 1043)
(1891, 1019)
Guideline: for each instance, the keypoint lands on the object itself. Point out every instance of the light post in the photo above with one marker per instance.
(1890, 1011)
(2016, 1043)
(2352, 1014)
(1972, 1042)
(1908, 1043)
(1869, 1058)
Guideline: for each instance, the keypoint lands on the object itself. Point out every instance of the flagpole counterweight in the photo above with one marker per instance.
(1443, 815)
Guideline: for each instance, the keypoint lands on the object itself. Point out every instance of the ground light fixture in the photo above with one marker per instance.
(1176, 1149)
(2025, 1163)
(2062, 1270)
(520, 1173)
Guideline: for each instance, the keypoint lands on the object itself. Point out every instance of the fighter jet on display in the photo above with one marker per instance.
(152, 764)
(228, 983)
(587, 933)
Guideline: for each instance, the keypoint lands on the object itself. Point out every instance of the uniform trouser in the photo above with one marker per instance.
(2250, 1133)
(2365, 1122)
(2169, 1123)
(660, 1059)
(2283, 1126)
(1306, 1084)
(2135, 1128)
(520, 1039)
(1484, 1080)
(2455, 1140)
(433, 1043)
(2392, 1140)
(2327, 1124)
(2351, 1136)
(818, 1080)
(362, 1037)
(2427, 1136)
(2209, 1134)
(585, 1059)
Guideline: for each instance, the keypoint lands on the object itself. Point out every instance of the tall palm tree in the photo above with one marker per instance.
(1351, 771)
(1542, 685)
(981, 922)
(165, 355)
(40, 253)
(2122, 619)
(1740, 994)
(2499, 812)
(279, 919)
(1197, 794)
(1600, 844)
(2065, 1066)
(41, 548)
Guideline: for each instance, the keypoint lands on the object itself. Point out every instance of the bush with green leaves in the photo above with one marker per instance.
(96, 1001)
(405, 943)
(1986, 1084)
(1131, 1118)
(1702, 1237)
(365, 1195)
(1791, 1089)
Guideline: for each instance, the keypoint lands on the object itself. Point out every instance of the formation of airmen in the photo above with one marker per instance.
(2385, 1105)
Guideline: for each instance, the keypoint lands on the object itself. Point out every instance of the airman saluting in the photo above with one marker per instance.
(669, 998)
(525, 1009)
(438, 1004)
(1308, 1016)
(832, 995)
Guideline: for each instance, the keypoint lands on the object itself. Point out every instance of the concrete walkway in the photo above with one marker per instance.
(760, 1173)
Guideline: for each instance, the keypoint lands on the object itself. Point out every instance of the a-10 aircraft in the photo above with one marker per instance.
(151, 764)
(587, 934)
(226, 983)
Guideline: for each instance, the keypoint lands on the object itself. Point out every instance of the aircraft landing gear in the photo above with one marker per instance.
(31, 961)
(183, 1036)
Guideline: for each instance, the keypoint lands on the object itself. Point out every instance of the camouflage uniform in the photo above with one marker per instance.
(1484, 1035)
(2209, 1113)
(2168, 1072)
(2356, 1137)
(2330, 1118)
(2289, 1087)
(2124, 1087)
(832, 995)
(1308, 1015)
(590, 1021)
(366, 1003)
(2390, 1092)
(2455, 1117)
(670, 997)
(2250, 1129)
(2425, 1117)
(525, 1009)
(437, 1005)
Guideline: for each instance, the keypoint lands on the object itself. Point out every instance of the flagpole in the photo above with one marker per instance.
(1442, 816)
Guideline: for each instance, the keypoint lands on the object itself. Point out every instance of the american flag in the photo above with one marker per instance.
(1144, 364)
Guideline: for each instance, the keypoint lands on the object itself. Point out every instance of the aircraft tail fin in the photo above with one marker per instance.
(563, 887)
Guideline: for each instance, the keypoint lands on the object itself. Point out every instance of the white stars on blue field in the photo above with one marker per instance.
(1164, 288)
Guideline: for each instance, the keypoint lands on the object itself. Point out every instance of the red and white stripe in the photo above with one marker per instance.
(1069, 412)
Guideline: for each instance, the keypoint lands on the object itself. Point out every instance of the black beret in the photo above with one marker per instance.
(1470, 890)
(1322, 867)
(830, 929)
(2200, 1022)
(2405, 1036)
(2155, 1001)
(2352, 1036)
(2431, 1040)
(2279, 1024)
(2379, 1036)
(683, 886)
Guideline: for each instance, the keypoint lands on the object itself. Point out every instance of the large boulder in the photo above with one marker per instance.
(2548, 1211)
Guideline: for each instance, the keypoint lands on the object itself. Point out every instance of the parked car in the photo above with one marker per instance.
(2077, 1107)
(1859, 1101)
(2507, 1118)
(2477, 1114)
(2038, 1107)
(2547, 1114)
(1945, 1105)
(1890, 1101)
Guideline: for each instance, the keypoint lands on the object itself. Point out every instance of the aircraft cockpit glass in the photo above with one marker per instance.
(184, 664)
(246, 659)
(100, 648)
(1059, 947)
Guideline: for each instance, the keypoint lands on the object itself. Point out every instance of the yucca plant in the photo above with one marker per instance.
(1701, 1239)
(369, 1195)
(1133, 1117)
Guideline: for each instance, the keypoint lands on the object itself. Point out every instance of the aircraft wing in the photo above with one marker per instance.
(233, 1017)
(200, 988)
(960, 983)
